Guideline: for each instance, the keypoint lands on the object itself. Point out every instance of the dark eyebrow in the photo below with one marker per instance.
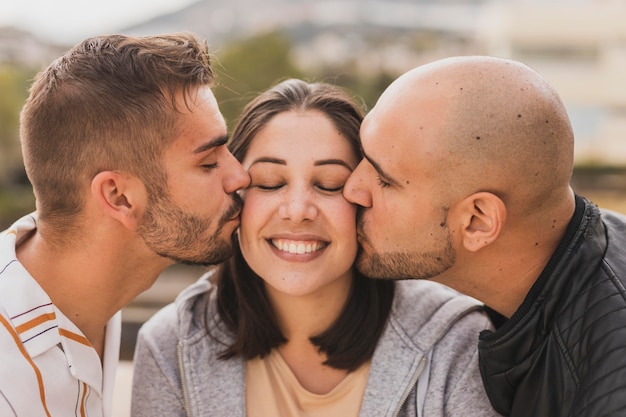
(380, 170)
(269, 160)
(211, 144)
(333, 162)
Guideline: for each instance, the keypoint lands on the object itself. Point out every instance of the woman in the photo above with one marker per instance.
(288, 327)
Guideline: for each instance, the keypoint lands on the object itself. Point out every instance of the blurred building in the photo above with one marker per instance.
(580, 47)
(21, 48)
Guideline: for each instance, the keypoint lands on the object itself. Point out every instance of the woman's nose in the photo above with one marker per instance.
(299, 206)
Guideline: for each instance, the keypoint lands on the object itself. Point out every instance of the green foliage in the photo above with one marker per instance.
(13, 91)
(246, 67)
(16, 199)
(365, 88)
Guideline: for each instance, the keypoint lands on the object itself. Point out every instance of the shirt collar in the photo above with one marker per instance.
(41, 326)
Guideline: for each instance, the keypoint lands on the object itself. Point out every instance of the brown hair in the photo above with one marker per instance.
(243, 304)
(109, 103)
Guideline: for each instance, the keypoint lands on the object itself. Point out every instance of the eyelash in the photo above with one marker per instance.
(268, 187)
(276, 187)
(382, 182)
(211, 166)
(331, 190)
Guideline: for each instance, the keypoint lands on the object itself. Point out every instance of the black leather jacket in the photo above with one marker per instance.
(563, 353)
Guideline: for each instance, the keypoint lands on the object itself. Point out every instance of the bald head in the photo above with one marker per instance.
(488, 124)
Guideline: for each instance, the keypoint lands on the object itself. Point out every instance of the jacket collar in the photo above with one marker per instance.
(411, 333)
(41, 326)
(507, 354)
(197, 346)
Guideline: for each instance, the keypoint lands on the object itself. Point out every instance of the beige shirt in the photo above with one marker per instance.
(272, 390)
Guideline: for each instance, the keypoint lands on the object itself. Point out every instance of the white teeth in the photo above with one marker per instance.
(296, 246)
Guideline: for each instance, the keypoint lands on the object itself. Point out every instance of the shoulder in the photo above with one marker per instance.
(420, 300)
(159, 336)
(409, 290)
(428, 311)
(614, 255)
(614, 217)
(183, 318)
(615, 224)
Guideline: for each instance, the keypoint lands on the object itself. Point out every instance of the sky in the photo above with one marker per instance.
(69, 21)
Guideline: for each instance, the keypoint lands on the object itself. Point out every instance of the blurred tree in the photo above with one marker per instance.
(16, 197)
(248, 66)
(14, 90)
(365, 88)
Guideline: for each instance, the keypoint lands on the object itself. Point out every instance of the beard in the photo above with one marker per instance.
(186, 238)
(407, 264)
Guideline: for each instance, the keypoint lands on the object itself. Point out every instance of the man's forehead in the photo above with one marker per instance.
(382, 126)
(381, 147)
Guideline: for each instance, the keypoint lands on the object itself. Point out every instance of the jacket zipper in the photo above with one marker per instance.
(183, 380)
(420, 369)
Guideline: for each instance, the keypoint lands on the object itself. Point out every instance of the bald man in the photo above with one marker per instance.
(466, 182)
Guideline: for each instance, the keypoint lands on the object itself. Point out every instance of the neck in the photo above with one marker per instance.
(87, 284)
(302, 317)
(501, 274)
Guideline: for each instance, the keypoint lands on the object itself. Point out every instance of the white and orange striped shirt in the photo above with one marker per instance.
(47, 366)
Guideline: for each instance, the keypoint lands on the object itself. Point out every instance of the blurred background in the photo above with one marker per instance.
(578, 45)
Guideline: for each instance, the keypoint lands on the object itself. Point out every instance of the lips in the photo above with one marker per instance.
(298, 246)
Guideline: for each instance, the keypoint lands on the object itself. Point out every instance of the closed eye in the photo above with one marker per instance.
(331, 189)
(267, 187)
(382, 182)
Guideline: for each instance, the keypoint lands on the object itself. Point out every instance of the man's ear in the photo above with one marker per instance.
(484, 216)
(121, 196)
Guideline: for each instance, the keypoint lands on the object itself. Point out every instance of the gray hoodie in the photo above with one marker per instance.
(431, 336)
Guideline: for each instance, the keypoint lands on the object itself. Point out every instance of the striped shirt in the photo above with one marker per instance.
(47, 366)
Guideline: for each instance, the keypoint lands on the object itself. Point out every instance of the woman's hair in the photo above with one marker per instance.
(242, 301)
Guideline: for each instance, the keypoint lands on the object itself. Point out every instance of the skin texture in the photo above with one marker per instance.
(132, 235)
(466, 178)
(185, 226)
(298, 164)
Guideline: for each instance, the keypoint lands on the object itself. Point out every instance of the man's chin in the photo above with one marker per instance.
(219, 252)
(377, 266)
(365, 266)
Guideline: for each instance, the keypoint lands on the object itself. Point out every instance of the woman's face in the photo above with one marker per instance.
(297, 231)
